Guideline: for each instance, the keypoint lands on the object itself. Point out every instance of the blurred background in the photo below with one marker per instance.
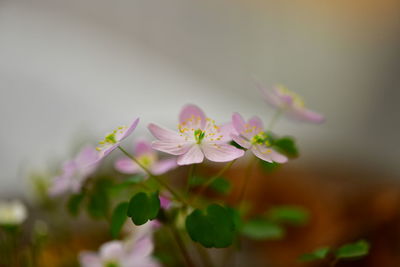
(76, 69)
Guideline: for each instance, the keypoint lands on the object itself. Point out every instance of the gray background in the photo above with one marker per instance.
(79, 68)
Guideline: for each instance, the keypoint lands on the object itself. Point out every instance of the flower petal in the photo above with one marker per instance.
(304, 114)
(89, 259)
(271, 96)
(278, 157)
(221, 152)
(59, 186)
(164, 134)
(143, 147)
(257, 122)
(268, 154)
(129, 130)
(192, 112)
(87, 156)
(111, 250)
(226, 130)
(171, 147)
(126, 165)
(238, 123)
(241, 141)
(163, 166)
(193, 155)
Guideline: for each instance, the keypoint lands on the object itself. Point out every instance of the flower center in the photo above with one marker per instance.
(146, 161)
(295, 98)
(111, 138)
(262, 138)
(199, 135)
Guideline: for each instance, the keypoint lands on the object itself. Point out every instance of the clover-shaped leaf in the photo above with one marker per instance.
(213, 227)
(353, 250)
(143, 207)
(118, 218)
(318, 254)
(293, 215)
(261, 229)
(287, 146)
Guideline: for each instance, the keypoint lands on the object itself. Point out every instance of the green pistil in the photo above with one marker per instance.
(199, 135)
(261, 139)
(110, 138)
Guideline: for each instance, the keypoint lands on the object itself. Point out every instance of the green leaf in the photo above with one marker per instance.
(289, 214)
(213, 227)
(317, 254)
(353, 250)
(260, 229)
(287, 146)
(143, 207)
(118, 218)
(74, 203)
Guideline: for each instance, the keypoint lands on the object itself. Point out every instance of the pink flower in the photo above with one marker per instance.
(198, 136)
(121, 254)
(112, 140)
(148, 158)
(251, 135)
(75, 172)
(290, 103)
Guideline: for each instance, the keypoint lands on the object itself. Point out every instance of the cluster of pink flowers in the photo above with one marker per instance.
(196, 138)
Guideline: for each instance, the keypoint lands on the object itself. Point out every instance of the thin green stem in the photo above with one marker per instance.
(189, 178)
(212, 179)
(181, 245)
(157, 178)
(274, 119)
(244, 187)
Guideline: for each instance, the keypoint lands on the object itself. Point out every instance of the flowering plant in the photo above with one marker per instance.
(183, 215)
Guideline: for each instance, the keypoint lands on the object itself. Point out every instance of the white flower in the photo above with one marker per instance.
(12, 212)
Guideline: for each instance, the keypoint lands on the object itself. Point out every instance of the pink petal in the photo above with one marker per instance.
(257, 122)
(192, 111)
(268, 154)
(171, 147)
(164, 134)
(221, 152)
(88, 155)
(238, 123)
(126, 165)
(303, 114)
(241, 141)
(277, 157)
(129, 130)
(165, 202)
(59, 186)
(226, 131)
(271, 97)
(105, 151)
(143, 147)
(143, 246)
(111, 250)
(89, 259)
(193, 155)
(163, 166)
